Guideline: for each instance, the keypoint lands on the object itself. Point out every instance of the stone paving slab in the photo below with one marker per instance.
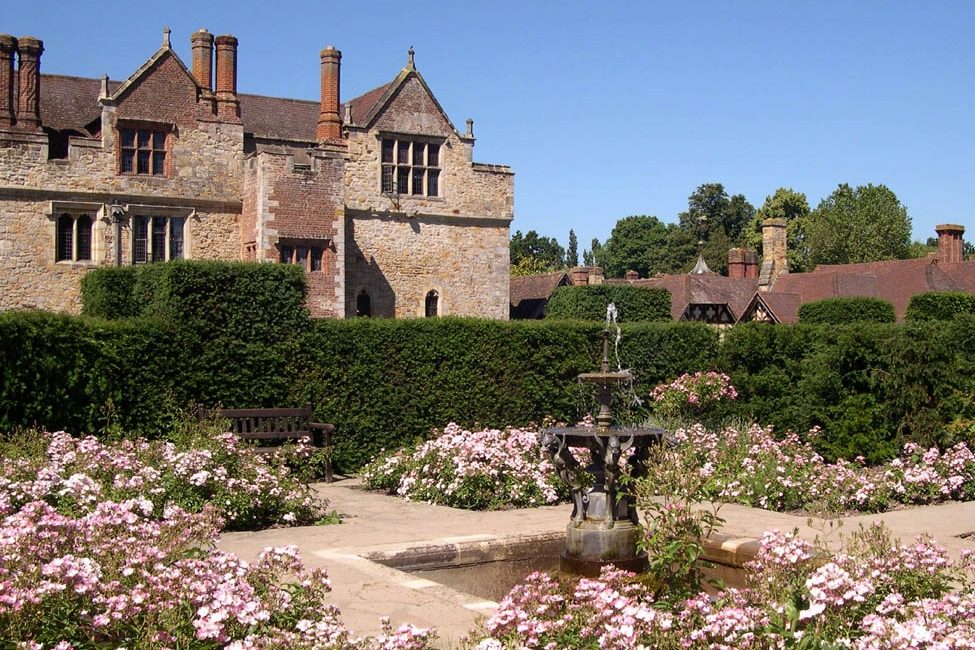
(379, 525)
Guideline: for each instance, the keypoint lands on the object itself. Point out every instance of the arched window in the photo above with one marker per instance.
(363, 305)
(432, 304)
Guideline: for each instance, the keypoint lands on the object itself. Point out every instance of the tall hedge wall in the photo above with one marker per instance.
(869, 386)
(387, 382)
(939, 305)
(588, 302)
(834, 311)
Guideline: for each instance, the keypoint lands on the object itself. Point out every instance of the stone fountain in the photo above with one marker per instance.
(604, 526)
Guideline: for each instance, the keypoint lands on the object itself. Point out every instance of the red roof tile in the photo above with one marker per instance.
(71, 103)
(531, 287)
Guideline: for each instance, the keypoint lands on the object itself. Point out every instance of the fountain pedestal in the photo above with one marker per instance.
(604, 527)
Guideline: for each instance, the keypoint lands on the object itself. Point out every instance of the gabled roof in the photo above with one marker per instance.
(535, 287)
(163, 52)
(71, 103)
(778, 308)
(895, 281)
(385, 94)
(704, 289)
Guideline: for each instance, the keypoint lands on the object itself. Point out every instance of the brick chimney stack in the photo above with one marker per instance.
(29, 50)
(228, 106)
(950, 245)
(742, 263)
(8, 46)
(329, 121)
(202, 45)
(774, 260)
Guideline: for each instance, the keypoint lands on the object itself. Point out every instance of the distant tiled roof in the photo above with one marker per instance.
(71, 103)
(710, 289)
(895, 281)
(531, 287)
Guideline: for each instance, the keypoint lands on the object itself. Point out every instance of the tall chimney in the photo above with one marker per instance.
(202, 45)
(950, 246)
(8, 45)
(774, 260)
(329, 122)
(29, 50)
(228, 106)
(736, 262)
(751, 264)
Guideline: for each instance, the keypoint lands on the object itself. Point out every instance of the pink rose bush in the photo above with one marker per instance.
(753, 467)
(877, 594)
(121, 574)
(478, 470)
(75, 475)
(692, 396)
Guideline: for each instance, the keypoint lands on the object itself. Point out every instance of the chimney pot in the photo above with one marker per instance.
(29, 50)
(202, 45)
(8, 46)
(950, 245)
(329, 121)
(228, 106)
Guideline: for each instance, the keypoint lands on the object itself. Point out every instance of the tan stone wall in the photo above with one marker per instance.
(397, 260)
(206, 185)
(402, 247)
(466, 189)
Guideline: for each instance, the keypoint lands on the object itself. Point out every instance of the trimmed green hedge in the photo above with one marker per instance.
(385, 383)
(869, 386)
(834, 311)
(238, 335)
(589, 302)
(939, 305)
(110, 292)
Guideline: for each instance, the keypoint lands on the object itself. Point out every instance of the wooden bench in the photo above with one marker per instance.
(281, 424)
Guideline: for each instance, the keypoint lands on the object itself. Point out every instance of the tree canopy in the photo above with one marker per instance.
(644, 244)
(793, 207)
(862, 224)
(546, 252)
(718, 220)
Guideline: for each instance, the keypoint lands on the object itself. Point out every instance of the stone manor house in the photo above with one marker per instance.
(378, 199)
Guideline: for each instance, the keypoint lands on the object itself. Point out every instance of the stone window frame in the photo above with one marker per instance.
(398, 171)
(166, 214)
(168, 132)
(57, 212)
(309, 253)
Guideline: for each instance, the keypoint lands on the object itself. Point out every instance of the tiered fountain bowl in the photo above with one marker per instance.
(604, 526)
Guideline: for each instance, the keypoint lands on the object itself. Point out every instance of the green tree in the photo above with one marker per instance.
(644, 244)
(862, 224)
(595, 255)
(572, 252)
(716, 219)
(546, 250)
(528, 266)
(793, 207)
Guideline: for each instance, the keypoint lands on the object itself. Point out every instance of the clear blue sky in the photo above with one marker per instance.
(606, 109)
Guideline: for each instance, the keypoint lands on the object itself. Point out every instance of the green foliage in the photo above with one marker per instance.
(718, 220)
(108, 292)
(589, 302)
(869, 386)
(646, 245)
(528, 266)
(834, 311)
(939, 305)
(862, 224)
(791, 206)
(572, 251)
(546, 250)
